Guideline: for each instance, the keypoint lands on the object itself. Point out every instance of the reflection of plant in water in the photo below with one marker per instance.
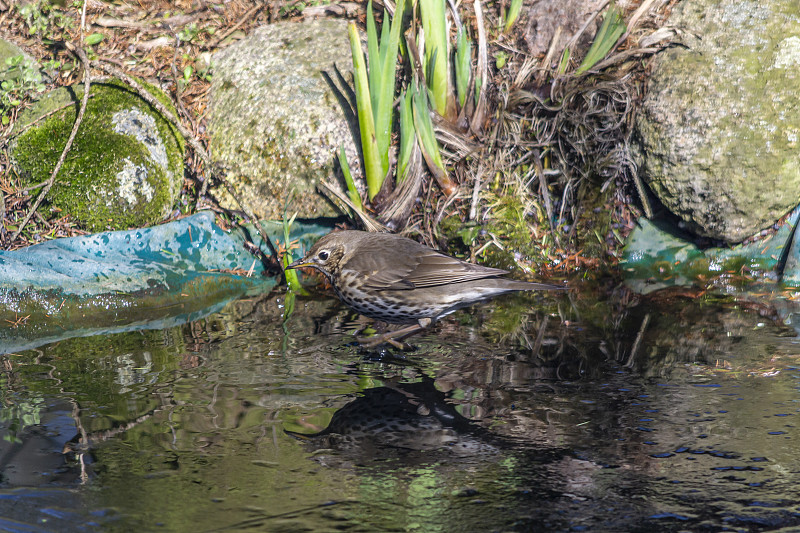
(129, 372)
(18, 415)
(516, 319)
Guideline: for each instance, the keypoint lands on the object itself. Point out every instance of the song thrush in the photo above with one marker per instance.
(400, 281)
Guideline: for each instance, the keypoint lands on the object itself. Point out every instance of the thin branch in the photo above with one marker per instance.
(87, 81)
(157, 25)
(83, 19)
(245, 18)
(32, 123)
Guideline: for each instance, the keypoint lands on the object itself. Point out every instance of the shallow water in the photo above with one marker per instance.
(531, 413)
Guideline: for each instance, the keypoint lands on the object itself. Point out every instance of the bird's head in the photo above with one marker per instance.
(326, 255)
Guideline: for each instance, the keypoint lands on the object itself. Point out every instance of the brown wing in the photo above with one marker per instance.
(405, 264)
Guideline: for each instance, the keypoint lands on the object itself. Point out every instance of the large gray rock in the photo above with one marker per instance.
(719, 129)
(273, 119)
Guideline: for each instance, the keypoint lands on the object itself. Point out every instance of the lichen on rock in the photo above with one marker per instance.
(273, 120)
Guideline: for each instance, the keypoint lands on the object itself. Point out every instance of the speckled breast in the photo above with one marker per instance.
(389, 306)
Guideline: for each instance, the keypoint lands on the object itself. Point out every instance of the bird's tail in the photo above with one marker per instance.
(515, 285)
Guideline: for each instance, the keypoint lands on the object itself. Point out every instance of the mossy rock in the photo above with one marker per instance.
(125, 168)
(717, 137)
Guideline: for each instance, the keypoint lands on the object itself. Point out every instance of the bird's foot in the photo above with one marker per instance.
(384, 338)
(395, 338)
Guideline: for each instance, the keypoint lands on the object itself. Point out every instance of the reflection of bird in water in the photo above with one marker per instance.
(400, 281)
(402, 418)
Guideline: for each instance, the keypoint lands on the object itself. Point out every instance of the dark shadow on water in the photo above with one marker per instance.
(411, 420)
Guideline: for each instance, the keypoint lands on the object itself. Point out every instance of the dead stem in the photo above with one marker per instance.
(87, 80)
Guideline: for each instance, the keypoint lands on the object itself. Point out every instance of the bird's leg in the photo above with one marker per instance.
(395, 337)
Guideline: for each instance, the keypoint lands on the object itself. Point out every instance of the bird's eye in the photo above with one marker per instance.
(323, 255)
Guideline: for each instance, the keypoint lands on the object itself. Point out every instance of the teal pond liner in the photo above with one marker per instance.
(149, 278)
(655, 258)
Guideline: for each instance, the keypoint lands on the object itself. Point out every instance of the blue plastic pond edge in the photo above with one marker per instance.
(656, 257)
(137, 279)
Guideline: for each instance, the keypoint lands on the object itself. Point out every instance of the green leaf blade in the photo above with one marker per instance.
(369, 147)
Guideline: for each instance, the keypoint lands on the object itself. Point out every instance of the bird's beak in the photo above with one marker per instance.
(300, 263)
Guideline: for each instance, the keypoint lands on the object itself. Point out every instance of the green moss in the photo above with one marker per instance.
(513, 223)
(110, 180)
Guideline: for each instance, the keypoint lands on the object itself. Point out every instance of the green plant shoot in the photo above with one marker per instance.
(564, 63)
(427, 140)
(407, 135)
(437, 52)
(463, 65)
(512, 14)
(375, 93)
(352, 191)
(366, 121)
(387, 67)
(292, 280)
(610, 31)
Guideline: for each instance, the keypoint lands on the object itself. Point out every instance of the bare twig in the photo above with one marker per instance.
(46, 115)
(157, 25)
(245, 18)
(83, 19)
(33, 187)
(638, 341)
(544, 66)
(640, 12)
(109, 22)
(87, 81)
(571, 43)
(154, 43)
